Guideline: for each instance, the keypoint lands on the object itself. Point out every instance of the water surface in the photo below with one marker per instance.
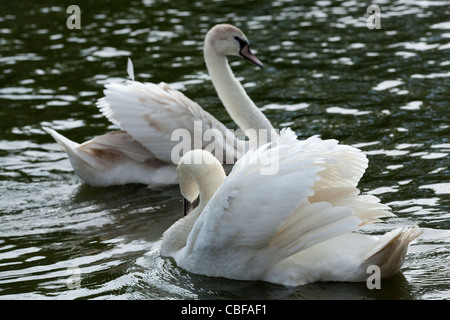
(384, 91)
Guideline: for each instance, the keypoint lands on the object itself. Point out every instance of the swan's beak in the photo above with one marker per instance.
(246, 53)
(189, 206)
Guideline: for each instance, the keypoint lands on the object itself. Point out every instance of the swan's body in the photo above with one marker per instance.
(251, 226)
(115, 158)
(151, 114)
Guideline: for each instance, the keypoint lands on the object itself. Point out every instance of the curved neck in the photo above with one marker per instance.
(233, 96)
(208, 183)
(207, 179)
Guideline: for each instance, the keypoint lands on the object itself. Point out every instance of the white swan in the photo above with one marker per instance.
(148, 114)
(251, 226)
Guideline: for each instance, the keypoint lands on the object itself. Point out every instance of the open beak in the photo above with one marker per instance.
(246, 53)
(189, 206)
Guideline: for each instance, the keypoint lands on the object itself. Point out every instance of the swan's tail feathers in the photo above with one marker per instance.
(72, 149)
(390, 251)
(66, 144)
(114, 158)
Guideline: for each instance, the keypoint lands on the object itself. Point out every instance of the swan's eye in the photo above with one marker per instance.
(242, 43)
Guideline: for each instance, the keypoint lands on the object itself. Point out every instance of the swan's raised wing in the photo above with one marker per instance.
(263, 192)
(167, 122)
(344, 167)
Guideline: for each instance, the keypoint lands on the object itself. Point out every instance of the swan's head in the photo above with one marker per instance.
(199, 174)
(228, 40)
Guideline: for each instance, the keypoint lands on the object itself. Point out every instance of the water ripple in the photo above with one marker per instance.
(384, 91)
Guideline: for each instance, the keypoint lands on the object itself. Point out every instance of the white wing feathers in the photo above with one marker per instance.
(345, 166)
(120, 142)
(278, 214)
(311, 224)
(151, 113)
(367, 207)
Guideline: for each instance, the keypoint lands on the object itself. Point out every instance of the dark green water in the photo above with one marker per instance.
(384, 90)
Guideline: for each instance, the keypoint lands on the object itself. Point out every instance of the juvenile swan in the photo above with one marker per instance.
(264, 222)
(149, 114)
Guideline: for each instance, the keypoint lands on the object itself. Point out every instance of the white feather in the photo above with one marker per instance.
(130, 69)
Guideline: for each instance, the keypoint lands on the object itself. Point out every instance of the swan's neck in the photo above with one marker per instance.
(238, 104)
(208, 185)
(207, 179)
